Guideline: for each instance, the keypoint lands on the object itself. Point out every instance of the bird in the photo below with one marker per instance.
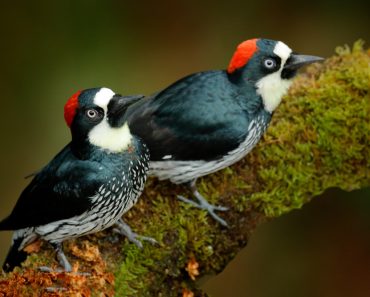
(88, 185)
(209, 120)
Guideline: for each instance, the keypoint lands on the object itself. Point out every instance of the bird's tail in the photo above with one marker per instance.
(15, 256)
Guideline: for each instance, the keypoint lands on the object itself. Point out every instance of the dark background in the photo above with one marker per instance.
(51, 49)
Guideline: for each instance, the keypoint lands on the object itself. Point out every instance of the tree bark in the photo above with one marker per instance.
(318, 139)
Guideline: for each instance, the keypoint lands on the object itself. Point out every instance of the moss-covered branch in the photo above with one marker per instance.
(318, 139)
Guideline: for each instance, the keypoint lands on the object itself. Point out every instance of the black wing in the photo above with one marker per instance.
(61, 190)
(193, 119)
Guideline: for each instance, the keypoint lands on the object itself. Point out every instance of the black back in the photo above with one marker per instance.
(200, 117)
(64, 187)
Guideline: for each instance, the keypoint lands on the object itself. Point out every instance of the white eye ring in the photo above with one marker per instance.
(269, 63)
(92, 113)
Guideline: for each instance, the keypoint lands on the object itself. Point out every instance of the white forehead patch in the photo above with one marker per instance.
(103, 97)
(283, 51)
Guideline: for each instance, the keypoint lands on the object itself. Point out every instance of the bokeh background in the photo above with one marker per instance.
(50, 49)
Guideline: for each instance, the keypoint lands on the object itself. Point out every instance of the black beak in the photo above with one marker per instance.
(117, 108)
(295, 62)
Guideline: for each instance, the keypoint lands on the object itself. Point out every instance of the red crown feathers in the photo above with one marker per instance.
(243, 53)
(70, 108)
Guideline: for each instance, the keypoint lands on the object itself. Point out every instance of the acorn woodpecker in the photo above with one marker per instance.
(209, 120)
(87, 187)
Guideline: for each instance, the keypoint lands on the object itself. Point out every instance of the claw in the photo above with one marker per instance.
(204, 204)
(125, 230)
(191, 202)
(63, 261)
(218, 219)
(208, 207)
(47, 269)
(55, 289)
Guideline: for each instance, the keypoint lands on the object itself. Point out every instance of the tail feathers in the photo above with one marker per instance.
(14, 257)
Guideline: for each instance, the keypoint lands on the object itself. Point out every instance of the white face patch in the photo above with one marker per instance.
(272, 87)
(113, 139)
(103, 135)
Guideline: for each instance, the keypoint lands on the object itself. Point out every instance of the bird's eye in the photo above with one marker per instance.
(269, 63)
(92, 114)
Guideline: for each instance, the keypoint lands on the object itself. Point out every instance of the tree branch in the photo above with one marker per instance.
(318, 139)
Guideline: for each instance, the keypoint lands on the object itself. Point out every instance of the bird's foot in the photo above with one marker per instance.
(59, 289)
(123, 229)
(204, 204)
(55, 289)
(47, 269)
(63, 262)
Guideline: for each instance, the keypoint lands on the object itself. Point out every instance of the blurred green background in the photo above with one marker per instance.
(50, 49)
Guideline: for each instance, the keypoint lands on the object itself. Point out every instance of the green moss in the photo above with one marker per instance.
(318, 139)
(326, 121)
(174, 228)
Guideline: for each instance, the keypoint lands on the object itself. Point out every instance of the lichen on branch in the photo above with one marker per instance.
(318, 139)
